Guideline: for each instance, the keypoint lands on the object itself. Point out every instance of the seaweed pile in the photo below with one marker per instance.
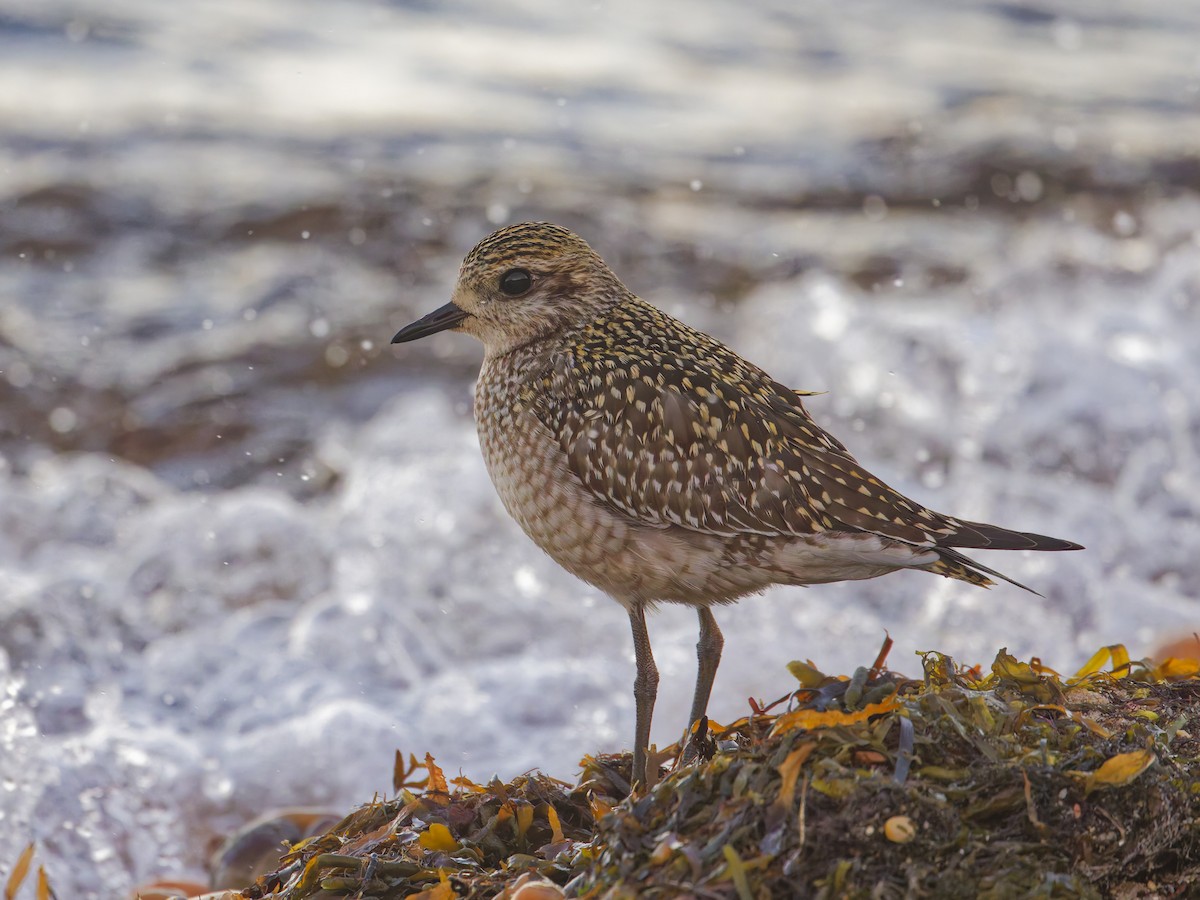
(1011, 782)
(1015, 782)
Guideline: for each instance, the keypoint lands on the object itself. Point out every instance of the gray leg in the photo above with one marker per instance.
(708, 652)
(645, 689)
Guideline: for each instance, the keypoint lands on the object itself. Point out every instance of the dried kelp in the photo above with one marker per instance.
(1010, 783)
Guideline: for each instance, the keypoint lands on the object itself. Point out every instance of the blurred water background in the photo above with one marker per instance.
(247, 549)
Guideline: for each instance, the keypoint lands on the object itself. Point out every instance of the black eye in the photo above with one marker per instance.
(515, 282)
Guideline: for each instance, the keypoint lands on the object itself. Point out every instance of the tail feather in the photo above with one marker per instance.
(953, 564)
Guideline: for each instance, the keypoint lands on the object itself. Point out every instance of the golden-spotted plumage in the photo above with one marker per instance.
(652, 461)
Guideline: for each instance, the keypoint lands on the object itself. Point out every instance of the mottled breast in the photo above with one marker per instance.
(529, 470)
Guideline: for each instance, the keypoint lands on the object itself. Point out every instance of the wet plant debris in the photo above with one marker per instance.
(1009, 782)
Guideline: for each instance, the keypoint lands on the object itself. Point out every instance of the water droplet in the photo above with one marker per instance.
(874, 207)
(336, 356)
(62, 419)
(1029, 186)
(1124, 223)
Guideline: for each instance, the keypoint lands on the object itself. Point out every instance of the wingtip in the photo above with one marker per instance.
(981, 536)
(1055, 544)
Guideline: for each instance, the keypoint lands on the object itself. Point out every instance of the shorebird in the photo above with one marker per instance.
(655, 463)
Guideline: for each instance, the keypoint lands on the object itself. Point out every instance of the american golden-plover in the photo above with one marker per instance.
(655, 463)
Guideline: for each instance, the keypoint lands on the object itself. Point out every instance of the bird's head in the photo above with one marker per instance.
(521, 284)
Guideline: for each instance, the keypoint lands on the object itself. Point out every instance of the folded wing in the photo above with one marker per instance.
(711, 443)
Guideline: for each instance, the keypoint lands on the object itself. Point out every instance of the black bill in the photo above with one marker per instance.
(440, 319)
